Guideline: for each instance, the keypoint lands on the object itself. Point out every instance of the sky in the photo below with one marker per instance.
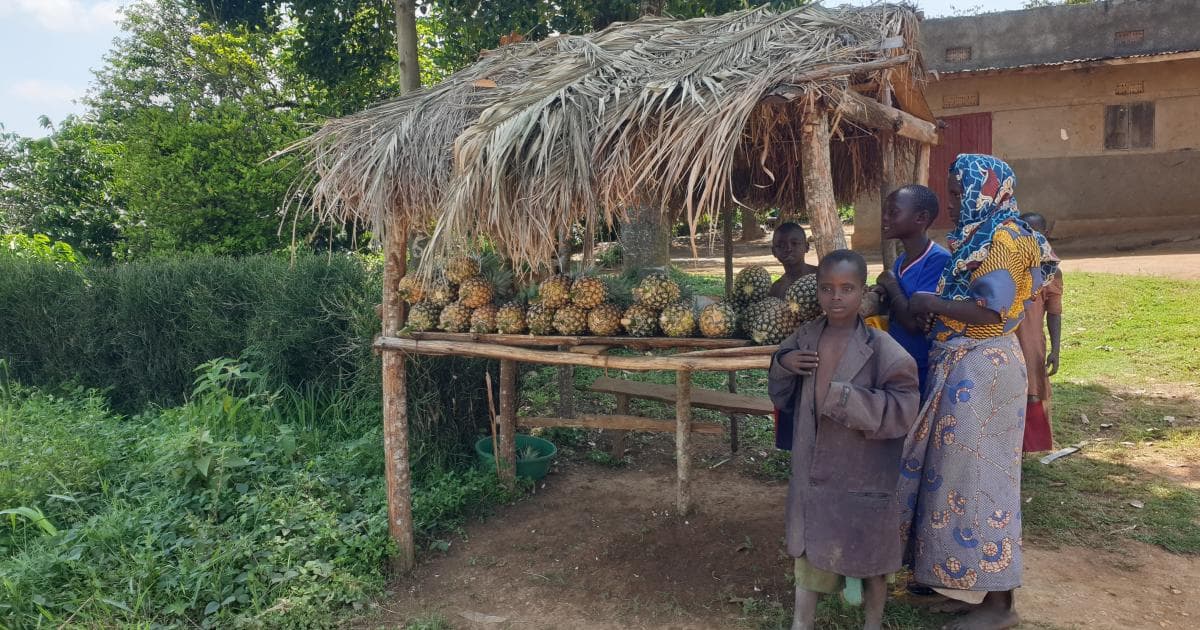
(48, 49)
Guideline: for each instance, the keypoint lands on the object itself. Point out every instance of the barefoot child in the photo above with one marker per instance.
(854, 391)
(907, 214)
(1039, 365)
(789, 244)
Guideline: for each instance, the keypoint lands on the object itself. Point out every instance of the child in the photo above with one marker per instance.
(1040, 365)
(789, 244)
(854, 391)
(907, 214)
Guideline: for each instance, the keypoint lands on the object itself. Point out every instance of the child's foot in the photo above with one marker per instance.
(986, 618)
(947, 606)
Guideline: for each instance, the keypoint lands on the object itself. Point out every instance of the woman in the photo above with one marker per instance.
(962, 460)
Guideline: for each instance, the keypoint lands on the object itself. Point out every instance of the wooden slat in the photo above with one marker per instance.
(545, 357)
(875, 115)
(704, 398)
(618, 423)
(592, 350)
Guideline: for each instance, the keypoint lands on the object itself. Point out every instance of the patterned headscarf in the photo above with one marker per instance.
(988, 201)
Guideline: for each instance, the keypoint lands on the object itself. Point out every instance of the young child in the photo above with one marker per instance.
(1039, 365)
(789, 244)
(907, 214)
(854, 391)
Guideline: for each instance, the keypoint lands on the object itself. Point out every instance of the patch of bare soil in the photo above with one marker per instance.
(601, 548)
(1145, 587)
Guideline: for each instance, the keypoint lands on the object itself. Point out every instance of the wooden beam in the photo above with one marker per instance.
(921, 167)
(526, 355)
(507, 449)
(395, 406)
(683, 441)
(818, 182)
(909, 94)
(636, 343)
(619, 423)
(827, 72)
(874, 115)
(703, 398)
(618, 438)
(887, 168)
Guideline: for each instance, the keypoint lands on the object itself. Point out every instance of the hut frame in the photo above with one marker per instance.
(692, 116)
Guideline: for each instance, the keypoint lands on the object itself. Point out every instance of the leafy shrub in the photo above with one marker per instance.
(38, 247)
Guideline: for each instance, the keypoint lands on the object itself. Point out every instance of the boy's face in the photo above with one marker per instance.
(840, 290)
(1038, 224)
(789, 248)
(899, 218)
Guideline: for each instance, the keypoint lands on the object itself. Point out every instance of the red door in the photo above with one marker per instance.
(971, 133)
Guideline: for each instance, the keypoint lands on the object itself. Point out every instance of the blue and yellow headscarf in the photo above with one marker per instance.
(988, 201)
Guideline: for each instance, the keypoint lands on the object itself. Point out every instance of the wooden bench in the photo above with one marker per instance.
(725, 402)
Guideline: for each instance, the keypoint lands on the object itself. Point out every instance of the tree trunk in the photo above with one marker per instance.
(651, 7)
(395, 406)
(818, 183)
(406, 44)
(752, 230)
(645, 238)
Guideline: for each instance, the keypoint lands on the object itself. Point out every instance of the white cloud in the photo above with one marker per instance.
(65, 16)
(42, 92)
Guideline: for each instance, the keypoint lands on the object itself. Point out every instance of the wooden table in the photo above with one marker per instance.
(692, 354)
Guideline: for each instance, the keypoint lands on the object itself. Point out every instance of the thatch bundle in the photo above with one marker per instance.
(686, 115)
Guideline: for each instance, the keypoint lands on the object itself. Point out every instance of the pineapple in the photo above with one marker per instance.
(657, 291)
(589, 292)
(768, 321)
(640, 320)
(555, 292)
(460, 268)
(411, 289)
(604, 320)
(677, 320)
(423, 317)
(441, 293)
(751, 284)
(455, 318)
(718, 321)
(540, 319)
(483, 319)
(801, 298)
(570, 320)
(476, 291)
(510, 319)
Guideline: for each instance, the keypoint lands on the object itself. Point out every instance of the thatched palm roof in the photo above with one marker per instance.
(535, 137)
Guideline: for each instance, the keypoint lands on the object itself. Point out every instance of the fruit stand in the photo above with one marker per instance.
(797, 110)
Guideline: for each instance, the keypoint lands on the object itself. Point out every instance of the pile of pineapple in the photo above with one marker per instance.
(461, 299)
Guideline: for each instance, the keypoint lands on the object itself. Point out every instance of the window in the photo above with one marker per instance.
(960, 53)
(1129, 126)
(960, 100)
(1129, 38)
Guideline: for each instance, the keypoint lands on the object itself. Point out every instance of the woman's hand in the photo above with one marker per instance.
(925, 303)
(802, 362)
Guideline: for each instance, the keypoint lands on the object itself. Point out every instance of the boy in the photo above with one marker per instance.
(854, 391)
(1040, 365)
(789, 244)
(907, 214)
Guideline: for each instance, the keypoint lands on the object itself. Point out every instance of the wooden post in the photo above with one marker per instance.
(618, 439)
(731, 376)
(395, 405)
(683, 441)
(887, 170)
(921, 167)
(507, 449)
(818, 182)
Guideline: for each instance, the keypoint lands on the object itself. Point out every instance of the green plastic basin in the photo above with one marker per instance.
(535, 468)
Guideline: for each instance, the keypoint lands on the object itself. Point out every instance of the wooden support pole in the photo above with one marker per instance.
(618, 439)
(395, 406)
(507, 449)
(887, 169)
(921, 166)
(818, 182)
(882, 116)
(731, 376)
(683, 441)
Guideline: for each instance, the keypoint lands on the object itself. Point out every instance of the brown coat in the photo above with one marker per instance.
(841, 511)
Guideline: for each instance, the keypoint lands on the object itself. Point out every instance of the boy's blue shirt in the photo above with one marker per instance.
(922, 275)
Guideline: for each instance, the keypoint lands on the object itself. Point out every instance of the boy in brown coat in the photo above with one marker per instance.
(855, 394)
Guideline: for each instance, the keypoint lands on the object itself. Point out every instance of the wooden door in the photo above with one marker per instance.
(971, 133)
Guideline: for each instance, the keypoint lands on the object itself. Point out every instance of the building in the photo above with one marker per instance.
(1095, 106)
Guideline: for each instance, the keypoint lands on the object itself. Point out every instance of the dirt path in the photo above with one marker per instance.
(598, 548)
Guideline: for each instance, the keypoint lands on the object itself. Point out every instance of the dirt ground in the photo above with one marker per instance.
(1172, 255)
(599, 548)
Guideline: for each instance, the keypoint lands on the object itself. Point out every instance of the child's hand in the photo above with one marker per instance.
(801, 362)
(887, 280)
(1052, 363)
